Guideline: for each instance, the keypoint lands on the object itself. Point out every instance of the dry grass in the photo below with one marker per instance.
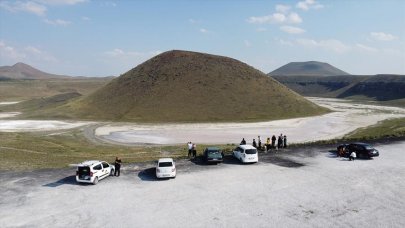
(27, 151)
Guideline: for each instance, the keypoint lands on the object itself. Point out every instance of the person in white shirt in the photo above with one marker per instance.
(190, 148)
(352, 156)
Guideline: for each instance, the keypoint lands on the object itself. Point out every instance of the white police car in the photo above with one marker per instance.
(93, 171)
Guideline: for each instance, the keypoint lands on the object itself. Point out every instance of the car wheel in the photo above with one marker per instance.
(95, 181)
(112, 172)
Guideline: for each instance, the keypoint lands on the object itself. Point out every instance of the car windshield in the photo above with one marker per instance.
(213, 152)
(165, 164)
(251, 151)
(368, 147)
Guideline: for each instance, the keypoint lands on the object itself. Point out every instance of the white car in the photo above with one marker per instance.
(165, 168)
(246, 154)
(93, 171)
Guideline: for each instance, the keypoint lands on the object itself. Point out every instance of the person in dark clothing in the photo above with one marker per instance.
(273, 141)
(243, 142)
(260, 143)
(285, 141)
(194, 150)
(117, 165)
(254, 143)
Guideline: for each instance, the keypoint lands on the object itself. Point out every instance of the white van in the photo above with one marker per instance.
(246, 154)
(93, 171)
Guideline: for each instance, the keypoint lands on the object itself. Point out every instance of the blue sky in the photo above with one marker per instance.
(101, 38)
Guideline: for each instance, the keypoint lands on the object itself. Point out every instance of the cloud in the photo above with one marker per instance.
(33, 50)
(109, 4)
(28, 7)
(308, 4)
(276, 18)
(261, 29)
(282, 8)
(12, 54)
(382, 36)
(292, 30)
(294, 18)
(192, 21)
(119, 53)
(37, 7)
(390, 51)
(203, 30)
(84, 18)
(284, 42)
(328, 45)
(58, 22)
(61, 2)
(247, 43)
(366, 48)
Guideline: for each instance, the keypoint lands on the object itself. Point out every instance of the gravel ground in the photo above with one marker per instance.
(308, 187)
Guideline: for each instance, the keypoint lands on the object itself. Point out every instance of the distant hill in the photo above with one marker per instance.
(182, 86)
(25, 71)
(369, 87)
(379, 87)
(311, 68)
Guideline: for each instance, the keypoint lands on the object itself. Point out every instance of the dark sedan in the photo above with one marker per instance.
(361, 150)
(213, 155)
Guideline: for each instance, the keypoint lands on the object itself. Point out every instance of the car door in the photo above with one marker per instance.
(106, 169)
(351, 148)
(235, 151)
(362, 150)
(98, 171)
(238, 152)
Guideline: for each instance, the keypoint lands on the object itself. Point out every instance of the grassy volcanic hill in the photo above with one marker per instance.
(181, 86)
(310, 68)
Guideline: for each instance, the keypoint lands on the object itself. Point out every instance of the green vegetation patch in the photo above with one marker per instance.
(391, 128)
(28, 151)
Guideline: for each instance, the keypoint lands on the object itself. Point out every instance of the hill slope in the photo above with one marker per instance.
(370, 87)
(181, 86)
(24, 71)
(310, 68)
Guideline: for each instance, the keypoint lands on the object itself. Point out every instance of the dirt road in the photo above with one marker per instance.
(307, 187)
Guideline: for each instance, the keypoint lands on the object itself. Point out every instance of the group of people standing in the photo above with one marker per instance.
(270, 143)
(192, 149)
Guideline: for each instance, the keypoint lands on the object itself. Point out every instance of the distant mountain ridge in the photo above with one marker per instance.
(371, 87)
(25, 71)
(310, 68)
